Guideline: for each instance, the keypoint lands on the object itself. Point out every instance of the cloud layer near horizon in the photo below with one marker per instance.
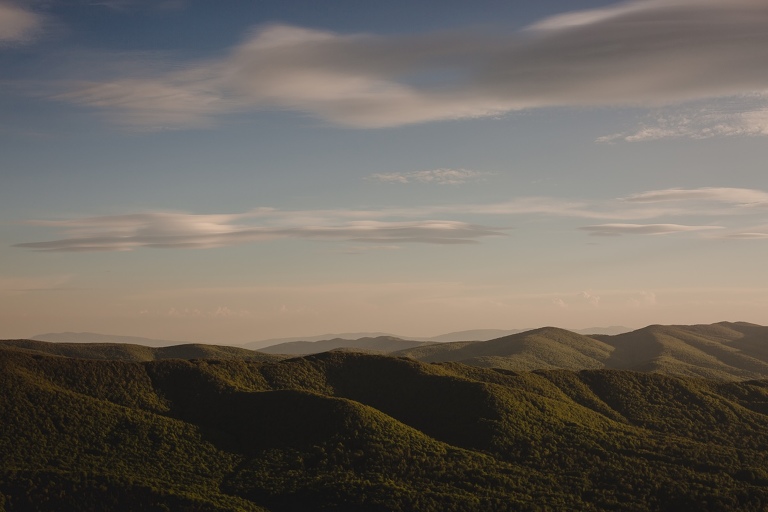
(387, 227)
(642, 52)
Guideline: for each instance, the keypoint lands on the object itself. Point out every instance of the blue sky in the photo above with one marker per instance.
(232, 171)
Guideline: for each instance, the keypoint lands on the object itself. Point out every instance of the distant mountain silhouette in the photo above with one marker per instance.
(130, 352)
(257, 345)
(92, 337)
(378, 344)
(470, 335)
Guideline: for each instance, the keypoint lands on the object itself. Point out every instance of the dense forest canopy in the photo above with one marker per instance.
(352, 431)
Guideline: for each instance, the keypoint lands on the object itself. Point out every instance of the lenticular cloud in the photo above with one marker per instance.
(636, 53)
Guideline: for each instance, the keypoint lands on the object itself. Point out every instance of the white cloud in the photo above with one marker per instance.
(642, 229)
(18, 25)
(645, 52)
(438, 176)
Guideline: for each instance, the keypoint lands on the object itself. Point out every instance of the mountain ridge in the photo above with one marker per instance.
(723, 350)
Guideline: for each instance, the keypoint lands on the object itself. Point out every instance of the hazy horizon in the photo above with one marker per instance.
(193, 171)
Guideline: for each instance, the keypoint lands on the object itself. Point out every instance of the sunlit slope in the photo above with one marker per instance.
(718, 351)
(730, 351)
(544, 348)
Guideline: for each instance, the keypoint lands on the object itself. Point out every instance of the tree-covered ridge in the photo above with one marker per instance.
(721, 351)
(726, 350)
(346, 431)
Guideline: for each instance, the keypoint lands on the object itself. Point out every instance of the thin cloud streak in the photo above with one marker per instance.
(742, 196)
(644, 52)
(433, 176)
(189, 232)
(642, 229)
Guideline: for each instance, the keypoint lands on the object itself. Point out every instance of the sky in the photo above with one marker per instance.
(226, 172)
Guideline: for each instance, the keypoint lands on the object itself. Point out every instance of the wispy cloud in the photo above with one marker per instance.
(748, 235)
(17, 24)
(590, 298)
(642, 229)
(741, 196)
(746, 115)
(436, 176)
(189, 231)
(644, 52)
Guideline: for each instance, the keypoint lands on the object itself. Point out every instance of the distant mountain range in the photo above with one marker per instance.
(92, 337)
(133, 352)
(724, 351)
(472, 335)
(383, 344)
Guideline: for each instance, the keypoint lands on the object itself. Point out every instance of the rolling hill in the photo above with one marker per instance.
(348, 431)
(725, 350)
(731, 351)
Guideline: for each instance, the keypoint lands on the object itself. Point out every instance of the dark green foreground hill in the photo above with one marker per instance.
(346, 431)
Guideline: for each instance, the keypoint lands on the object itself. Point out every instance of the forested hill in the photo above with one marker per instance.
(725, 350)
(346, 431)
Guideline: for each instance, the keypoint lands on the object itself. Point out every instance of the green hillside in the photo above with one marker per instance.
(729, 351)
(349, 431)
